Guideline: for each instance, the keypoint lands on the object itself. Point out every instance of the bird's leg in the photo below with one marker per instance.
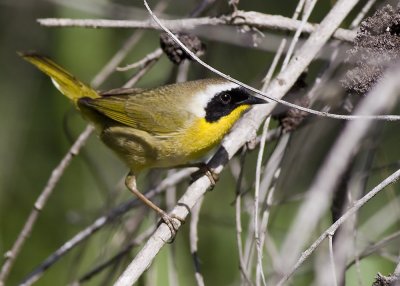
(130, 182)
(203, 170)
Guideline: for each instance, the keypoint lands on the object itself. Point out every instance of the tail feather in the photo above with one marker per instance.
(65, 82)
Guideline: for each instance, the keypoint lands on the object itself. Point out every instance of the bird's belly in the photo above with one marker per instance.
(134, 147)
(141, 150)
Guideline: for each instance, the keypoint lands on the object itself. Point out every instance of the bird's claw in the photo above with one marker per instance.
(205, 170)
(170, 221)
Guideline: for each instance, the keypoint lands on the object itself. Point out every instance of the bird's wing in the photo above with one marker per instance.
(159, 115)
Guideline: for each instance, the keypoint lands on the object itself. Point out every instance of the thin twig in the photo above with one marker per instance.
(307, 12)
(194, 237)
(170, 201)
(238, 218)
(332, 260)
(109, 68)
(325, 77)
(345, 241)
(265, 220)
(273, 166)
(357, 260)
(267, 189)
(397, 271)
(266, 80)
(144, 61)
(259, 246)
(183, 71)
(172, 268)
(331, 230)
(357, 20)
(371, 249)
(139, 74)
(249, 249)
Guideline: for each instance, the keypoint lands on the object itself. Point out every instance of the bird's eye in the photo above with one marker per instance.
(225, 98)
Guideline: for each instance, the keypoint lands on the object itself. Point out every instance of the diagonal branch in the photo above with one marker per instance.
(332, 229)
(244, 131)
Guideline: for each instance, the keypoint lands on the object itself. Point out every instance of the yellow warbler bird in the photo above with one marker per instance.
(167, 126)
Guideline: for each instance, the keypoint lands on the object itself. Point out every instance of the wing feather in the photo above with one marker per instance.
(156, 113)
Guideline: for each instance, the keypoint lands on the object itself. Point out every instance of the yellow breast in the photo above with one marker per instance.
(203, 136)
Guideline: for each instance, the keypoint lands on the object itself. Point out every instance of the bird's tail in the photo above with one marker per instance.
(65, 82)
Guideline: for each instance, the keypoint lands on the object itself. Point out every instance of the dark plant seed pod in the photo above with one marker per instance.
(376, 48)
(175, 52)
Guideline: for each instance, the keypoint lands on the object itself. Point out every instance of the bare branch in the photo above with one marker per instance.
(257, 232)
(357, 20)
(332, 260)
(307, 12)
(267, 190)
(140, 73)
(143, 62)
(238, 171)
(279, 51)
(194, 237)
(109, 68)
(126, 249)
(239, 18)
(375, 247)
(397, 271)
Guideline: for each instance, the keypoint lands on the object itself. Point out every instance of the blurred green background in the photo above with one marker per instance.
(38, 126)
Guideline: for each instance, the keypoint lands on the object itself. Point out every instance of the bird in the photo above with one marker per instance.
(164, 127)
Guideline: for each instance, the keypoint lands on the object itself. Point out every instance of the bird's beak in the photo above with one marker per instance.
(255, 100)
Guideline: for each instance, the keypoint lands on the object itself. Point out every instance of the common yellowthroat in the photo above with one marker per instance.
(167, 126)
